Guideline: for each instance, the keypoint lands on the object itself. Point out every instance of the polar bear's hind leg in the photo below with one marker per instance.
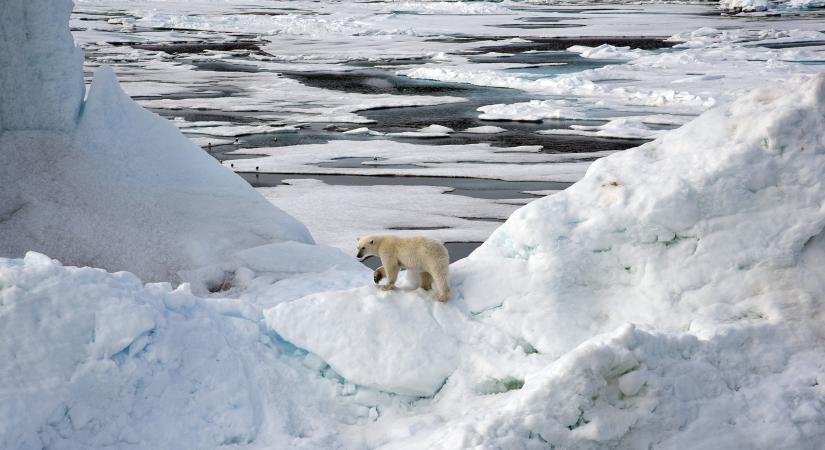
(426, 281)
(439, 276)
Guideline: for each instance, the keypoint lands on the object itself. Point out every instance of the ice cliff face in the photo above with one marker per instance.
(105, 182)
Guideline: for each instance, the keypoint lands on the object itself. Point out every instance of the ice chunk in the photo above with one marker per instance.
(489, 129)
(432, 131)
(607, 51)
(744, 5)
(392, 341)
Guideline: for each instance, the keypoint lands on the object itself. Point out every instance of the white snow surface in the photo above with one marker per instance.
(407, 363)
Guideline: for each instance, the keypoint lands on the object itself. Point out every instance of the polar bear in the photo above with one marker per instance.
(425, 259)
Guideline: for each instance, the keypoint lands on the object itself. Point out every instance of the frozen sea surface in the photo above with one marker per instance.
(247, 78)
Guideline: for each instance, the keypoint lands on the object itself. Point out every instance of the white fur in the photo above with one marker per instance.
(425, 259)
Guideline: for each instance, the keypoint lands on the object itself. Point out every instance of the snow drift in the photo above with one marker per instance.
(105, 182)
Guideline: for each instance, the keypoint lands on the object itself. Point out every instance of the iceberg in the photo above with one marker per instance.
(120, 186)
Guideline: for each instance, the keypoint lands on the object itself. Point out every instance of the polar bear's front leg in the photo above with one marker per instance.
(378, 275)
(391, 269)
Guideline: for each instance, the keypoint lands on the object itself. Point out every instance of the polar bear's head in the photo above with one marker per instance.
(366, 246)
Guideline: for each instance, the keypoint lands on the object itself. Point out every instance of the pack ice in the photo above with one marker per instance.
(672, 298)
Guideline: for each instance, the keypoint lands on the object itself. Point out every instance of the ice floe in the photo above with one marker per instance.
(337, 214)
(471, 160)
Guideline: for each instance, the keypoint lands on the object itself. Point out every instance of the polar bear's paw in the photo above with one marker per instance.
(379, 274)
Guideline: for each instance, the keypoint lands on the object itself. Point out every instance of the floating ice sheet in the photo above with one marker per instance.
(337, 215)
(474, 160)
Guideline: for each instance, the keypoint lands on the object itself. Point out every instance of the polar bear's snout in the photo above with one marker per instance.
(364, 248)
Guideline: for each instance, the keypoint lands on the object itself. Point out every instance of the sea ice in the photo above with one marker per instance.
(523, 163)
(744, 5)
(339, 214)
(487, 129)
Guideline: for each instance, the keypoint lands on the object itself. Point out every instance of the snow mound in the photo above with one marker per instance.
(697, 229)
(390, 341)
(105, 182)
(93, 360)
(634, 388)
